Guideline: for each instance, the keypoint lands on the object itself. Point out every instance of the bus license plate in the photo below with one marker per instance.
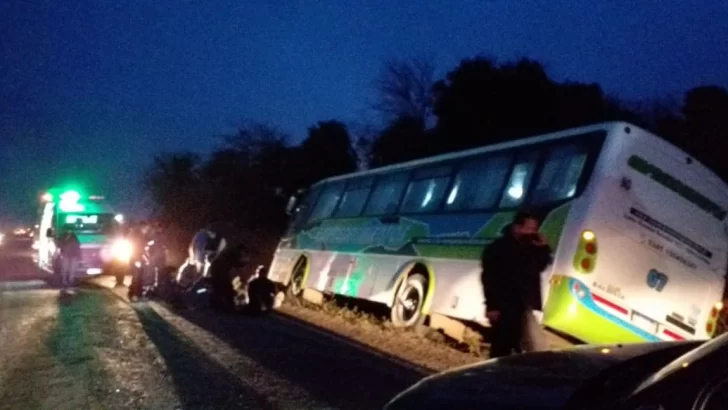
(643, 322)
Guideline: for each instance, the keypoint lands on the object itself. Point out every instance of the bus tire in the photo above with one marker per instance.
(296, 284)
(410, 298)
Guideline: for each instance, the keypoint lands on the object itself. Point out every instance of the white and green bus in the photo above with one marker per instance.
(638, 229)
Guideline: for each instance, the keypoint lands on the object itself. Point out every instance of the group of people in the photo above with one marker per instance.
(147, 261)
(211, 265)
(511, 276)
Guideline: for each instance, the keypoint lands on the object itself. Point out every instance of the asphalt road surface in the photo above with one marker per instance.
(94, 350)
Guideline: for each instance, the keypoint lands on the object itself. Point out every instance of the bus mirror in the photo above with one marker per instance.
(291, 206)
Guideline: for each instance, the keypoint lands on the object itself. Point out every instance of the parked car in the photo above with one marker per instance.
(621, 376)
(697, 380)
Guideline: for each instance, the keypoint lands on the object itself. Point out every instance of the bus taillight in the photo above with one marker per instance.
(588, 235)
(586, 253)
(712, 324)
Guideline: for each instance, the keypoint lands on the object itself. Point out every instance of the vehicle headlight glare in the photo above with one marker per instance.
(122, 250)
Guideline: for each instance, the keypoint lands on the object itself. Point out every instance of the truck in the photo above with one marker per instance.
(98, 227)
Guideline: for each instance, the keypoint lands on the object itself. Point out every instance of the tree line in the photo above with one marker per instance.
(245, 183)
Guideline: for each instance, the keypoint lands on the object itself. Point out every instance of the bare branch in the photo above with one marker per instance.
(404, 88)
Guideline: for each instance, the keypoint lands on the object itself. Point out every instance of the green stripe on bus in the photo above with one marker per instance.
(663, 178)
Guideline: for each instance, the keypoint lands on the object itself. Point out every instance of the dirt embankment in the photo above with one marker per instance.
(422, 347)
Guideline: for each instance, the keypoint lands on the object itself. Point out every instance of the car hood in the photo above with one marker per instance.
(542, 380)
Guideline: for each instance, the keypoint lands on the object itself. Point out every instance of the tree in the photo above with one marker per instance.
(404, 89)
(173, 182)
(701, 126)
(405, 139)
(481, 102)
(243, 177)
(327, 151)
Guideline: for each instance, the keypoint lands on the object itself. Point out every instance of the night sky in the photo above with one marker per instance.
(92, 88)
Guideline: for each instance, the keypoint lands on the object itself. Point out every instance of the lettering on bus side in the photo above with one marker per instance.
(670, 236)
(379, 235)
(652, 171)
(613, 290)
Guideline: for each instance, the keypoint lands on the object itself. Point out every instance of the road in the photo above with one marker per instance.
(94, 350)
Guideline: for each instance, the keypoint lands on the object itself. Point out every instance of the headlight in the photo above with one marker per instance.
(121, 250)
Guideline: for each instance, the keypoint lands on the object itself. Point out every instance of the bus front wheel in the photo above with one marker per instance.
(295, 286)
(407, 306)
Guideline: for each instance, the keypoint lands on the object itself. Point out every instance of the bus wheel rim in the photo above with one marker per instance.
(408, 304)
(297, 284)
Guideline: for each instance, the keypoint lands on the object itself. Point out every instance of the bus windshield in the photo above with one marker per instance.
(88, 223)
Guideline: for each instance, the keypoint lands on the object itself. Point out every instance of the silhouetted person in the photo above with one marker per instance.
(156, 251)
(221, 275)
(70, 249)
(261, 293)
(511, 277)
(206, 244)
(138, 238)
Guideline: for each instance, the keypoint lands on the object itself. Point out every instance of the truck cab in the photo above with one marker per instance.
(98, 227)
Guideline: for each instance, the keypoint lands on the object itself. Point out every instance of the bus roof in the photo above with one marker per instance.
(605, 126)
(481, 150)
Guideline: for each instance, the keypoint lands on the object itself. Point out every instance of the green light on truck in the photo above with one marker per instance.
(69, 202)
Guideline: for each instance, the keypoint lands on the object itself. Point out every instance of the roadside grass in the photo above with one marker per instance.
(374, 317)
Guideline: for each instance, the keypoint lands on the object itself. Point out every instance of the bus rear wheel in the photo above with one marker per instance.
(409, 300)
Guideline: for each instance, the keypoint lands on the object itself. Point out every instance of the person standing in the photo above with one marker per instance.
(206, 245)
(70, 255)
(138, 239)
(157, 253)
(511, 279)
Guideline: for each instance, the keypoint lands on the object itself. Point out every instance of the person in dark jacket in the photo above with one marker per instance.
(70, 249)
(138, 236)
(221, 277)
(261, 293)
(511, 278)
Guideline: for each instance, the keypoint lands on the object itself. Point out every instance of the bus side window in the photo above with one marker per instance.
(426, 190)
(478, 183)
(384, 199)
(560, 175)
(328, 201)
(520, 180)
(354, 198)
(306, 207)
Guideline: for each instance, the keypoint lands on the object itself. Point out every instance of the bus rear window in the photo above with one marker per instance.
(560, 174)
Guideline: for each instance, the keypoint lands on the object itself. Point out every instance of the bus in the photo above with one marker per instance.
(637, 226)
(95, 223)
